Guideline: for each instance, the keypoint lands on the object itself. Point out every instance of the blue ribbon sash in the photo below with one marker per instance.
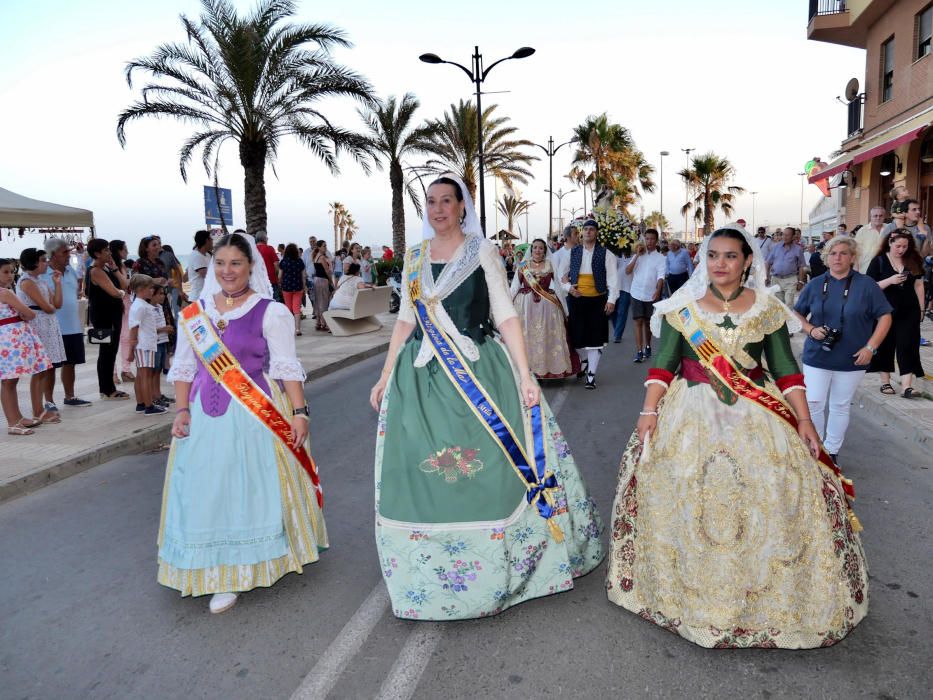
(539, 482)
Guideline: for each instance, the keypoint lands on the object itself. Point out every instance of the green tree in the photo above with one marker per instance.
(708, 178)
(453, 147)
(511, 206)
(394, 138)
(657, 220)
(251, 79)
(616, 167)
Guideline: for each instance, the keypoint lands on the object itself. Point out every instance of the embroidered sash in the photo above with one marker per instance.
(226, 371)
(721, 367)
(539, 481)
(536, 287)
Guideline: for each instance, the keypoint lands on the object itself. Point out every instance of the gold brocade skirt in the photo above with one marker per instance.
(730, 534)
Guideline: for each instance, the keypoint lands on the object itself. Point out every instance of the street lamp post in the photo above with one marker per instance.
(661, 178)
(477, 75)
(802, 181)
(560, 194)
(754, 230)
(687, 151)
(550, 151)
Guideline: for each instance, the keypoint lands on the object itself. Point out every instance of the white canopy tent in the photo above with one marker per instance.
(17, 211)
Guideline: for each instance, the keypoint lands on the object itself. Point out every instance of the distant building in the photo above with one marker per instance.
(890, 109)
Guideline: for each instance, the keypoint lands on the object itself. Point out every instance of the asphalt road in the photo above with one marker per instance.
(81, 614)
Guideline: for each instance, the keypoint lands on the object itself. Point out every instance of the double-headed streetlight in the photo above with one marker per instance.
(560, 194)
(477, 75)
(550, 151)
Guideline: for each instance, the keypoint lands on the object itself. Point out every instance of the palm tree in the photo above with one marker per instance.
(617, 165)
(511, 206)
(349, 228)
(657, 220)
(394, 138)
(253, 80)
(338, 214)
(454, 147)
(708, 178)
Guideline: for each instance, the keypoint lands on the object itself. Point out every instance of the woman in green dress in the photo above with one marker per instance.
(731, 525)
(479, 504)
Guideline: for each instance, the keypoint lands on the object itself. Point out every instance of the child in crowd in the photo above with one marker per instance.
(164, 329)
(144, 341)
(21, 352)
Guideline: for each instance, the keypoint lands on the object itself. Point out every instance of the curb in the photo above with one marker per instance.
(141, 440)
(881, 414)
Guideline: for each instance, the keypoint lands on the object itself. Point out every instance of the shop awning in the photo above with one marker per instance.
(890, 139)
(834, 168)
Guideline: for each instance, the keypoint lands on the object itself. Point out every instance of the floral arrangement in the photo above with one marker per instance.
(616, 231)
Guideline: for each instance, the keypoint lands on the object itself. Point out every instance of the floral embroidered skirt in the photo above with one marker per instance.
(730, 534)
(456, 536)
(238, 510)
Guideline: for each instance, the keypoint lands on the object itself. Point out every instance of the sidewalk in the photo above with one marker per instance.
(912, 417)
(90, 436)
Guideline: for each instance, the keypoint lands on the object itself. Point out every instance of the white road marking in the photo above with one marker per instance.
(321, 679)
(412, 660)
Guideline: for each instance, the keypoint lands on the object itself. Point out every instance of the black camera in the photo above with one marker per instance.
(832, 335)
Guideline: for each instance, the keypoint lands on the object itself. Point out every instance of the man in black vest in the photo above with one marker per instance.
(592, 284)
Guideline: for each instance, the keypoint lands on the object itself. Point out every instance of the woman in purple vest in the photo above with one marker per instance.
(239, 511)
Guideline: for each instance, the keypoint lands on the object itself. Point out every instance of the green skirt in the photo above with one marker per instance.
(456, 536)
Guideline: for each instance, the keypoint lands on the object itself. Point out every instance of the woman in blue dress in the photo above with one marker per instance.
(242, 505)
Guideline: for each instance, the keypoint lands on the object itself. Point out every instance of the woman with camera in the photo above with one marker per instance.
(898, 270)
(846, 317)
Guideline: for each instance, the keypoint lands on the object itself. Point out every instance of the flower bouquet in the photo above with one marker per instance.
(616, 231)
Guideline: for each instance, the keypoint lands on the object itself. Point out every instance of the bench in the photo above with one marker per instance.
(361, 316)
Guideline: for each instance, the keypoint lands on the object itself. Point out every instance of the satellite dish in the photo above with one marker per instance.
(852, 89)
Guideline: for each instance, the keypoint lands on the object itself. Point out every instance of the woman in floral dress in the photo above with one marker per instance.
(731, 525)
(21, 352)
(538, 300)
(465, 526)
(44, 296)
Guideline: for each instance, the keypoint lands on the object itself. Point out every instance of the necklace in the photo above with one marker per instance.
(228, 298)
(725, 302)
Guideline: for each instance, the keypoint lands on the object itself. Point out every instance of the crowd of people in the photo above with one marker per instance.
(132, 313)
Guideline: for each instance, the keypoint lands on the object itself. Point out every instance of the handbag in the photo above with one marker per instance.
(99, 336)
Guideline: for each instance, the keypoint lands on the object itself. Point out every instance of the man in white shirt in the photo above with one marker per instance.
(592, 284)
(198, 261)
(765, 244)
(647, 268)
(620, 315)
(868, 238)
(560, 260)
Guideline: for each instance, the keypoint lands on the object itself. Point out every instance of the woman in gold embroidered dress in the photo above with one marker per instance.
(727, 530)
(538, 300)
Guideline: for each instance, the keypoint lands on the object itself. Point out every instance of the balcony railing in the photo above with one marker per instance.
(827, 7)
(855, 116)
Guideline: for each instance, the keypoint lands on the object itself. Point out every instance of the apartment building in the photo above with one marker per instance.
(889, 139)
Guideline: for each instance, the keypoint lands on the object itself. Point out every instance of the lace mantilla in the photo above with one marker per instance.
(433, 292)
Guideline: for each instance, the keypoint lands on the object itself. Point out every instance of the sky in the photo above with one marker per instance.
(730, 76)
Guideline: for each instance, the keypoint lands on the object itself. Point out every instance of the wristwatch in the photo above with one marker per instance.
(874, 351)
(303, 411)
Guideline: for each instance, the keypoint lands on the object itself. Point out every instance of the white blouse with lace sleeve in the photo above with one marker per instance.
(500, 300)
(278, 328)
(406, 310)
